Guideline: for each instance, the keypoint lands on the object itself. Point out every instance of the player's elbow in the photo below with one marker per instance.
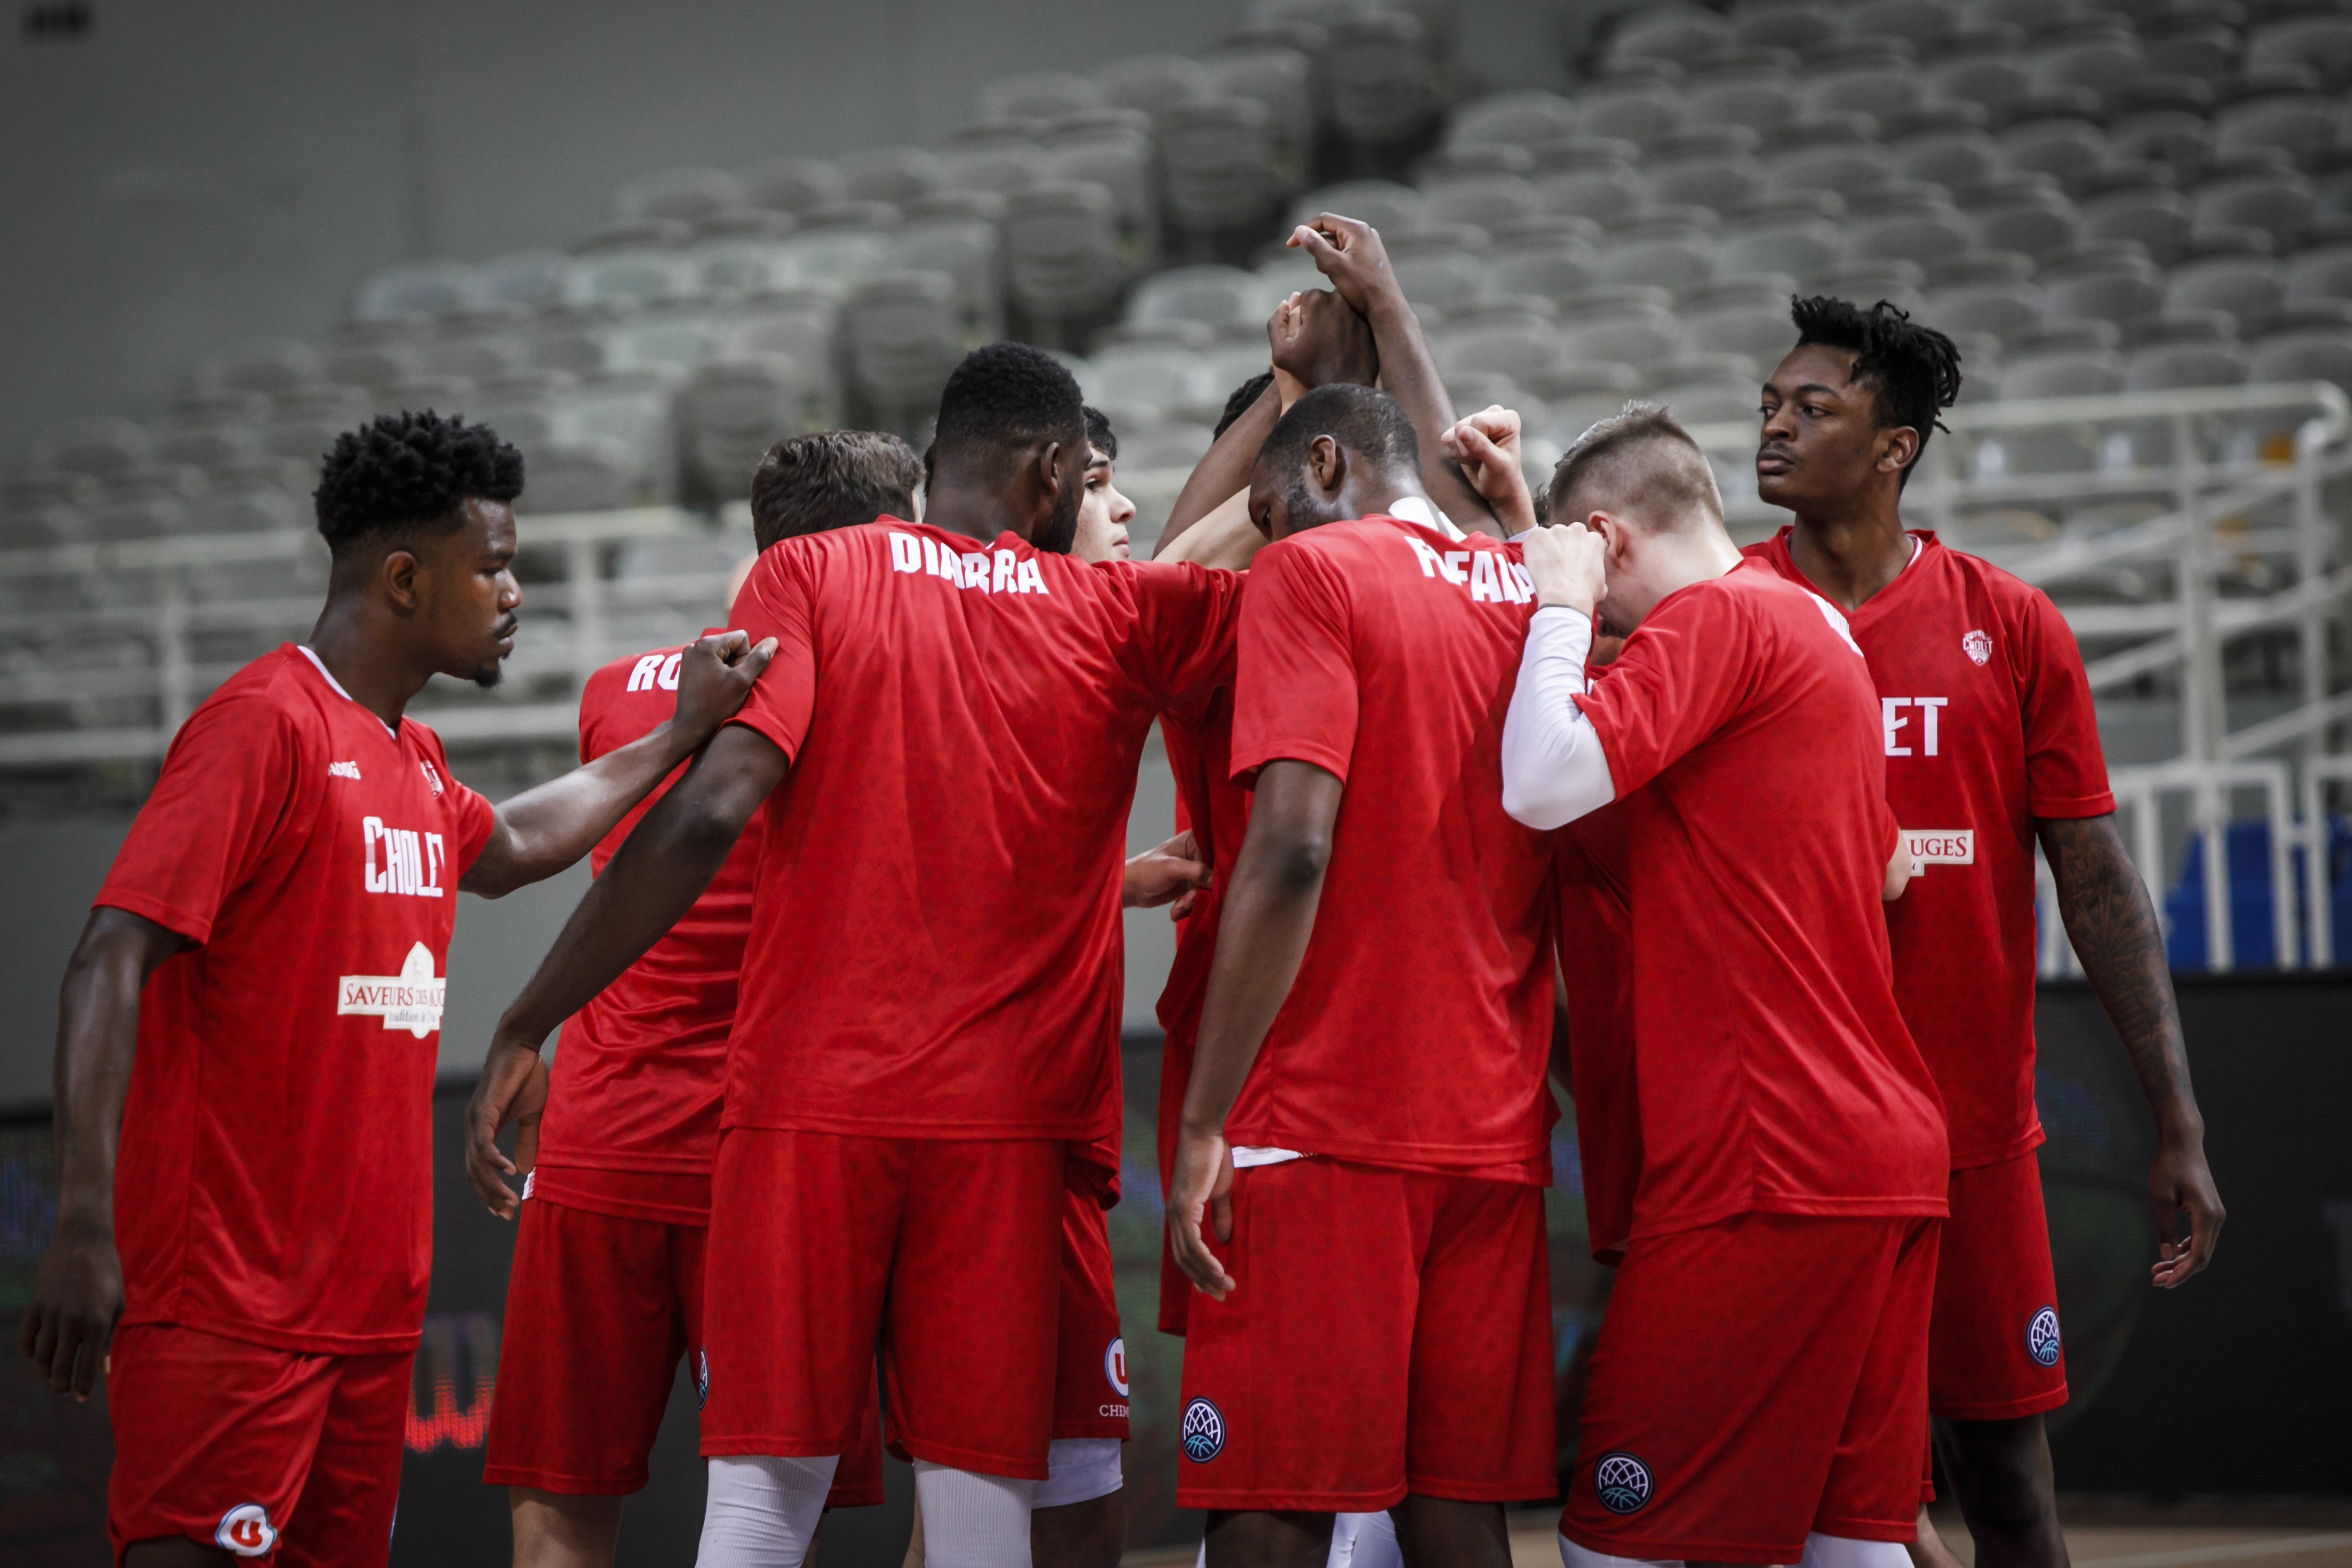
(1297, 862)
(1533, 804)
(1898, 874)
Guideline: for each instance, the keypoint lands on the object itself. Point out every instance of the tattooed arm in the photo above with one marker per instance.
(2113, 924)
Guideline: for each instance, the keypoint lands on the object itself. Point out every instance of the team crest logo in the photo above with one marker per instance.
(245, 1529)
(1115, 1366)
(1203, 1434)
(2042, 1337)
(1622, 1482)
(432, 776)
(1978, 647)
(701, 1377)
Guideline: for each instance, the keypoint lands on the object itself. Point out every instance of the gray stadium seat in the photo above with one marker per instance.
(2321, 42)
(590, 475)
(1036, 95)
(1471, 161)
(2117, 290)
(2322, 354)
(2061, 147)
(906, 331)
(631, 409)
(2205, 51)
(1282, 78)
(1154, 83)
(417, 290)
(471, 359)
(1516, 342)
(1645, 113)
(1000, 164)
(2071, 373)
(1490, 201)
(2036, 223)
(2278, 203)
(1994, 80)
(889, 175)
(1517, 119)
(2249, 288)
(1682, 34)
(1760, 99)
(1897, 282)
(1804, 26)
(2172, 136)
(1219, 162)
(1555, 268)
(122, 521)
(2318, 276)
(1916, 21)
(1676, 257)
(843, 255)
(1061, 242)
(271, 365)
(1923, 232)
(1438, 270)
(2095, 55)
(211, 446)
(372, 364)
(689, 194)
(2005, 313)
(642, 237)
(792, 184)
(1951, 158)
(1720, 184)
(2172, 366)
(2152, 216)
(1383, 95)
(1391, 209)
(1635, 335)
(730, 414)
(1163, 445)
(1223, 299)
(1145, 382)
(1761, 331)
(1805, 249)
(100, 447)
(635, 278)
(1889, 89)
(1846, 170)
(1605, 190)
(2301, 125)
(531, 280)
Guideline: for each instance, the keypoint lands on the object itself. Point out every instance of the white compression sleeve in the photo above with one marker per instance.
(1077, 1469)
(1845, 1551)
(1367, 1540)
(1571, 1555)
(1553, 769)
(972, 1521)
(762, 1512)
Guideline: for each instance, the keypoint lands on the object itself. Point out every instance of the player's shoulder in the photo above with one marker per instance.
(1974, 574)
(281, 688)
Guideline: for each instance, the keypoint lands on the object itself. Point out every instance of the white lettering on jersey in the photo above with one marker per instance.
(412, 861)
(1939, 847)
(431, 776)
(1008, 573)
(410, 1000)
(343, 771)
(1490, 578)
(645, 672)
(1892, 719)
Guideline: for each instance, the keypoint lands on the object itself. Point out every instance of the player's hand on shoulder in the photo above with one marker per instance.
(1165, 873)
(1349, 252)
(1569, 563)
(1485, 446)
(715, 677)
(76, 1297)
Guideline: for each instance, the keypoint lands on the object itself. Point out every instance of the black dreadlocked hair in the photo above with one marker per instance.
(1245, 395)
(402, 475)
(1916, 370)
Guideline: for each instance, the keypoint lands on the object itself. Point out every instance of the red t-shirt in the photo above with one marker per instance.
(1987, 722)
(1774, 1069)
(935, 943)
(1418, 1031)
(1593, 866)
(634, 1094)
(275, 1182)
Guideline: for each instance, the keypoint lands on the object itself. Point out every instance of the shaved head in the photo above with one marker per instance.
(1641, 466)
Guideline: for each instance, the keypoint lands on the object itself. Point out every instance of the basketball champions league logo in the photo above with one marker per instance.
(2042, 1337)
(1622, 1482)
(1203, 1434)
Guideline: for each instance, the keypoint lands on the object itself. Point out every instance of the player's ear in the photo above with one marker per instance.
(1328, 461)
(1049, 468)
(398, 571)
(1897, 447)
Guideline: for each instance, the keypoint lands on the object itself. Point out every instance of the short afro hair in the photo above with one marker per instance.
(1004, 397)
(1363, 419)
(1913, 371)
(1099, 435)
(1639, 462)
(1246, 393)
(402, 475)
(832, 479)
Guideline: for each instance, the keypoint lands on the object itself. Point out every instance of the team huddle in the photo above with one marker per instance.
(1735, 846)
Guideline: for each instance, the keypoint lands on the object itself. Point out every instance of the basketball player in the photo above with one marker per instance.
(930, 1012)
(1991, 743)
(606, 1292)
(252, 1015)
(1369, 1078)
(1762, 1350)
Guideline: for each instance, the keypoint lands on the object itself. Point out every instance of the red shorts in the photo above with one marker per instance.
(945, 1255)
(1756, 1381)
(268, 1453)
(1090, 1361)
(600, 1307)
(1993, 1352)
(1389, 1331)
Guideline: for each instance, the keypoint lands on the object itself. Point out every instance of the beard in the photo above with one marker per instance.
(1062, 531)
(488, 675)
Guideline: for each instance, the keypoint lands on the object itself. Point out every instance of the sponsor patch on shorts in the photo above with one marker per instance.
(1203, 1434)
(1622, 1482)
(245, 1531)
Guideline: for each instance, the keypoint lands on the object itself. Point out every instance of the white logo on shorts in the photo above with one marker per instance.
(1115, 1366)
(245, 1529)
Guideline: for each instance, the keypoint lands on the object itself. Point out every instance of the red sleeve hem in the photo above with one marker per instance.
(195, 929)
(2060, 807)
(1246, 766)
(760, 724)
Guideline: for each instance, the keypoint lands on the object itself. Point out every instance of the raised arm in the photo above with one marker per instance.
(77, 1289)
(544, 830)
(1349, 253)
(1269, 913)
(659, 870)
(1554, 769)
(1486, 447)
(2113, 924)
(1225, 469)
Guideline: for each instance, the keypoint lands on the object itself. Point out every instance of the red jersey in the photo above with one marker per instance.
(276, 1177)
(1987, 722)
(935, 944)
(1418, 1031)
(1775, 1072)
(639, 1071)
(1593, 865)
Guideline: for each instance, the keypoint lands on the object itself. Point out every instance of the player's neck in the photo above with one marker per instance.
(366, 660)
(975, 511)
(1850, 554)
